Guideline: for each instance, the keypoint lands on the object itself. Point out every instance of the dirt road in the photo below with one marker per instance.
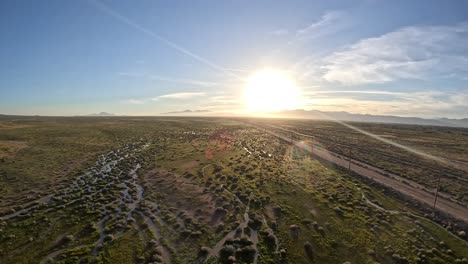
(393, 181)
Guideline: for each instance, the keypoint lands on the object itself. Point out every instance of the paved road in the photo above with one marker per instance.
(393, 181)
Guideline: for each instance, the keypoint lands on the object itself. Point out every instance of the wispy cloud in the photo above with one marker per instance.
(418, 52)
(222, 99)
(431, 103)
(132, 74)
(328, 23)
(182, 96)
(111, 12)
(351, 92)
(134, 101)
(188, 81)
(184, 81)
(374, 95)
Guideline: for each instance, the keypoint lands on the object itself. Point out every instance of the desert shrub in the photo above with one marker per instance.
(226, 252)
(274, 225)
(220, 211)
(68, 239)
(277, 211)
(197, 233)
(339, 211)
(306, 222)
(462, 234)
(186, 233)
(247, 231)
(255, 222)
(321, 231)
(247, 254)
(152, 243)
(156, 259)
(229, 241)
(294, 231)
(245, 241)
(231, 260)
(308, 250)
(219, 228)
(108, 238)
(283, 253)
(269, 238)
(398, 259)
(204, 251)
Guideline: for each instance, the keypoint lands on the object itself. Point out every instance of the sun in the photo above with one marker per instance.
(271, 90)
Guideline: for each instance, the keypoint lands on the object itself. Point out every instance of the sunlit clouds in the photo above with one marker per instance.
(180, 96)
(418, 52)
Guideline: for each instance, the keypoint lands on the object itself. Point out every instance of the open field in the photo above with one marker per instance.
(447, 144)
(417, 192)
(209, 190)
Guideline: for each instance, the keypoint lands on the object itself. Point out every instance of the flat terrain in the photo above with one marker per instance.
(409, 188)
(209, 190)
(448, 145)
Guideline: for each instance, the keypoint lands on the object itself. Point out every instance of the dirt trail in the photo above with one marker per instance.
(49, 258)
(390, 180)
(28, 207)
(394, 212)
(214, 252)
(268, 228)
(110, 187)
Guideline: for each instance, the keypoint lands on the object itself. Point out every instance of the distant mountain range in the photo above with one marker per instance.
(345, 116)
(187, 112)
(321, 115)
(102, 114)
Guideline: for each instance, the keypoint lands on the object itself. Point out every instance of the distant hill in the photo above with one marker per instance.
(187, 112)
(102, 114)
(345, 116)
(314, 114)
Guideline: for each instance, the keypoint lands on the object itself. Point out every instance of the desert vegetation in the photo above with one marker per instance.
(202, 190)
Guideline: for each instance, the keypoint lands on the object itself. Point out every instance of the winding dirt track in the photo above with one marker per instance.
(390, 180)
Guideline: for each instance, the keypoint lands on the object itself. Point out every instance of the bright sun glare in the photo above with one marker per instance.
(271, 90)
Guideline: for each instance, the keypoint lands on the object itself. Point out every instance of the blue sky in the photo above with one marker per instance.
(407, 58)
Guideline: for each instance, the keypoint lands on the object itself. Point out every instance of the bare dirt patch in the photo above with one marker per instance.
(10, 148)
(11, 125)
(180, 192)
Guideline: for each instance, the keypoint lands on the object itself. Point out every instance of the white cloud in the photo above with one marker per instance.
(188, 81)
(418, 52)
(184, 81)
(328, 20)
(329, 23)
(134, 101)
(116, 15)
(430, 103)
(352, 92)
(132, 74)
(182, 96)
